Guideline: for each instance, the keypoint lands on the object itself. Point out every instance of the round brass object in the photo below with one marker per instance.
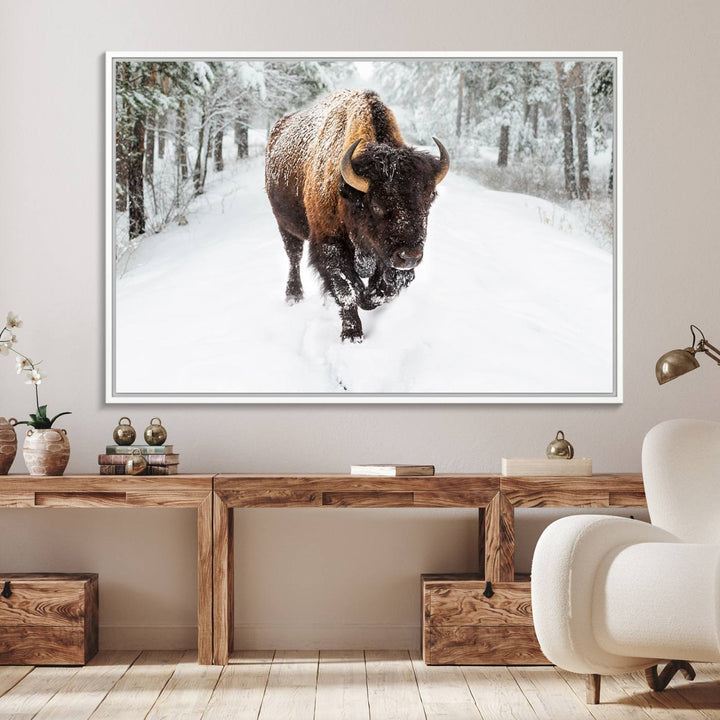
(124, 433)
(155, 434)
(136, 463)
(560, 447)
(675, 363)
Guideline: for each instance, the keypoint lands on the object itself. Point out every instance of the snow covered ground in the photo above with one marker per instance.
(510, 298)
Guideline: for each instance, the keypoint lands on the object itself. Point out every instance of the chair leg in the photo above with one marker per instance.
(592, 689)
(660, 682)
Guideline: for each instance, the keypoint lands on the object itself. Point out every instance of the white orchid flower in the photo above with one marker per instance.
(35, 377)
(5, 346)
(22, 364)
(13, 320)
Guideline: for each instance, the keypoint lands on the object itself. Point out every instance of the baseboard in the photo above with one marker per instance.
(327, 637)
(265, 636)
(148, 637)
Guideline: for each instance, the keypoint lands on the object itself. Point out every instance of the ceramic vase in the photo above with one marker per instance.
(46, 452)
(8, 445)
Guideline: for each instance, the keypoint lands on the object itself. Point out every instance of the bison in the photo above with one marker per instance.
(340, 176)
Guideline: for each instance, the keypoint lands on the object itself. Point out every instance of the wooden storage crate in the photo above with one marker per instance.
(461, 626)
(48, 618)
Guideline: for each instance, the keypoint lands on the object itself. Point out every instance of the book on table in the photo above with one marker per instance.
(392, 470)
(109, 459)
(144, 449)
(149, 470)
(547, 467)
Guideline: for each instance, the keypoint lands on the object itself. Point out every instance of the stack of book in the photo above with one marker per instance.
(161, 460)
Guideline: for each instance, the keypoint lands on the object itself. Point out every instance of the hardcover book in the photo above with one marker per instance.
(172, 459)
(392, 470)
(150, 470)
(144, 449)
(557, 467)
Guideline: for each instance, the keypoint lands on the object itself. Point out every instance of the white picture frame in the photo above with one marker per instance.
(514, 352)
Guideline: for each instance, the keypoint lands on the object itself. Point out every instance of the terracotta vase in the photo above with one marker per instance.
(8, 444)
(46, 452)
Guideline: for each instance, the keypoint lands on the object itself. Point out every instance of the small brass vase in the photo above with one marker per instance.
(155, 433)
(560, 448)
(136, 463)
(124, 433)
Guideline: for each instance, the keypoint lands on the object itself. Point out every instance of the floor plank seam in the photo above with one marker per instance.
(472, 694)
(19, 680)
(267, 680)
(110, 689)
(317, 678)
(367, 686)
(159, 695)
(417, 684)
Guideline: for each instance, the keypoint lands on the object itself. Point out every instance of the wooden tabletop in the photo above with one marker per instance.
(443, 490)
(104, 490)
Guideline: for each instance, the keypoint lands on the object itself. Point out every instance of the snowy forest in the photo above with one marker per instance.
(541, 128)
(532, 171)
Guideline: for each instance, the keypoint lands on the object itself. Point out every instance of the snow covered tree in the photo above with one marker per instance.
(602, 104)
(567, 132)
(578, 81)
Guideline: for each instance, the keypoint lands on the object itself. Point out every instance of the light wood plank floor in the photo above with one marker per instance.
(349, 685)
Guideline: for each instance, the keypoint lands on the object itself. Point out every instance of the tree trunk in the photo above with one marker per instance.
(162, 124)
(218, 151)
(150, 149)
(459, 116)
(611, 178)
(530, 107)
(181, 149)
(206, 157)
(136, 192)
(581, 132)
(241, 131)
(504, 146)
(197, 170)
(121, 144)
(121, 160)
(534, 114)
(567, 130)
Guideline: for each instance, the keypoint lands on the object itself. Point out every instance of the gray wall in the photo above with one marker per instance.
(317, 577)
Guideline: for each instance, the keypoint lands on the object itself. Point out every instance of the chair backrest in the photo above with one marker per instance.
(681, 471)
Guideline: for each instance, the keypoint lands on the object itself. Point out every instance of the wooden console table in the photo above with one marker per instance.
(126, 491)
(495, 497)
(215, 497)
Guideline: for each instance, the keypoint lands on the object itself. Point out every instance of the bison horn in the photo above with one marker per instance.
(349, 175)
(444, 162)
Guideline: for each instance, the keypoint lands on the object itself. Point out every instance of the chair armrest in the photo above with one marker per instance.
(659, 600)
(565, 563)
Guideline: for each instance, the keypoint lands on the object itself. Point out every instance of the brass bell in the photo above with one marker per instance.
(136, 463)
(560, 448)
(155, 434)
(124, 433)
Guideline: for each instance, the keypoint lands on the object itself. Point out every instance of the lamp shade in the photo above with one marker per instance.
(675, 363)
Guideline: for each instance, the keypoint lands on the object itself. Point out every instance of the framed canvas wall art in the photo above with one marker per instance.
(364, 228)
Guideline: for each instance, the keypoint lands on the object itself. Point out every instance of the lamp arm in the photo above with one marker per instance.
(710, 350)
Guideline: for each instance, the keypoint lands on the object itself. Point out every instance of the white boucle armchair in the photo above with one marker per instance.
(613, 595)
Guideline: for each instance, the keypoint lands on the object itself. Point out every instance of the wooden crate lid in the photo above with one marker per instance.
(52, 577)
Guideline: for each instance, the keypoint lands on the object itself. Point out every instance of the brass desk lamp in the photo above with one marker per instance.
(677, 362)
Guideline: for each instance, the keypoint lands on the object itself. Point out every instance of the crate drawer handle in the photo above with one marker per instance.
(6, 592)
(488, 592)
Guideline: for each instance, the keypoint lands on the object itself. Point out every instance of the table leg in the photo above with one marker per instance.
(481, 541)
(223, 581)
(499, 518)
(205, 580)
